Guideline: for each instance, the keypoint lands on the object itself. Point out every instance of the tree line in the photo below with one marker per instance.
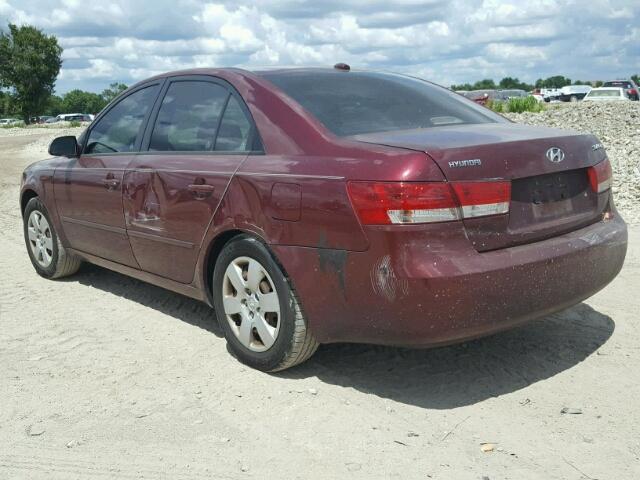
(29, 65)
(74, 101)
(508, 83)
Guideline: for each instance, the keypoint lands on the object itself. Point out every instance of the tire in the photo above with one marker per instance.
(246, 317)
(51, 260)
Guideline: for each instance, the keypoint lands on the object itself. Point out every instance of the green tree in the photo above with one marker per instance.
(8, 104)
(462, 86)
(636, 78)
(486, 84)
(54, 106)
(29, 65)
(514, 83)
(113, 91)
(79, 101)
(557, 81)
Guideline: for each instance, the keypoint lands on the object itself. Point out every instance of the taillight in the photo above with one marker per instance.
(632, 91)
(600, 176)
(478, 199)
(384, 203)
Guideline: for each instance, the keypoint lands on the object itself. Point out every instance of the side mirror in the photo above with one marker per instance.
(64, 147)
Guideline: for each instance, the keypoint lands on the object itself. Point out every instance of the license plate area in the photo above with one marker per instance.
(550, 196)
(550, 188)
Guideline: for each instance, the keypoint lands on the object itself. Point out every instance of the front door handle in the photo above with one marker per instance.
(111, 183)
(200, 190)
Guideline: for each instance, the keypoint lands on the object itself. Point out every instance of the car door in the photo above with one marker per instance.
(88, 190)
(197, 137)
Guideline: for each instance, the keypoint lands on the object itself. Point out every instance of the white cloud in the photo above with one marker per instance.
(445, 41)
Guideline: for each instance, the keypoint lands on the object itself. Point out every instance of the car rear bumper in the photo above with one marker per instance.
(427, 286)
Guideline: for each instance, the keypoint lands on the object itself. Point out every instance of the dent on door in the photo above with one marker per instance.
(168, 209)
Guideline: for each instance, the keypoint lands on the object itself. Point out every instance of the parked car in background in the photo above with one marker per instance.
(629, 86)
(75, 117)
(10, 121)
(550, 94)
(316, 206)
(52, 120)
(482, 97)
(512, 93)
(573, 93)
(40, 119)
(607, 94)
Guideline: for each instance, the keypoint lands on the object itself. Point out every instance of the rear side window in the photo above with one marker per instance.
(119, 129)
(235, 128)
(188, 117)
(351, 103)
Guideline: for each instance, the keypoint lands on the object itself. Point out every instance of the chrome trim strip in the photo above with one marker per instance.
(98, 226)
(294, 175)
(157, 238)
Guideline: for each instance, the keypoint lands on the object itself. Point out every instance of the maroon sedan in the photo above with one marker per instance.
(313, 206)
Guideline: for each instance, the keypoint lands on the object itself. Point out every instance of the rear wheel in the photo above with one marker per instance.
(48, 256)
(258, 309)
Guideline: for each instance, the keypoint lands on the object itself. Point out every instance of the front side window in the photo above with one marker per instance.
(352, 103)
(188, 117)
(120, 127)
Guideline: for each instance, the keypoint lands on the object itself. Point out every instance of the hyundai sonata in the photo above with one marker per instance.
(312, 206)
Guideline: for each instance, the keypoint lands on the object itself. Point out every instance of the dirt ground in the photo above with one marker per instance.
(103, 376)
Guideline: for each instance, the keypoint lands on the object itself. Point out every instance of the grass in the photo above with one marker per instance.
(75, 123)
(516, 105)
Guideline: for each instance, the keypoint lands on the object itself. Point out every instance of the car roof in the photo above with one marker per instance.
(255, 72)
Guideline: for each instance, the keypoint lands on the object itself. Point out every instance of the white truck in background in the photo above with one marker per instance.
(573, 93)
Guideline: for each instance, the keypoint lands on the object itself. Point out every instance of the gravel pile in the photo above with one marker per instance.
(617, 125)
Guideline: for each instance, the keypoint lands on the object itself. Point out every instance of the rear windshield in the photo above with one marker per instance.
(352, 103)
(604, 93)
(617, 84)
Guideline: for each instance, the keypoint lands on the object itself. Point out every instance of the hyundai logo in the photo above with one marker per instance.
(555, 155)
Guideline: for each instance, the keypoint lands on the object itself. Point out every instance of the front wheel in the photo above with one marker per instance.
(47, 254)
(258, 309)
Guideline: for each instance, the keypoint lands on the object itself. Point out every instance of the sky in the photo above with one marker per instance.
(445, 41)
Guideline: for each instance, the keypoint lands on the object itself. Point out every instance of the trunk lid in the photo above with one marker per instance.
(548, 198)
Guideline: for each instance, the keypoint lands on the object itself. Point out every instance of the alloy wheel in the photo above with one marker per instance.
(251, 304)
(40, 238)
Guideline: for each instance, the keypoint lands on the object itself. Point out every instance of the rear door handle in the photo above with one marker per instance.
(111, 183)
(200, 190)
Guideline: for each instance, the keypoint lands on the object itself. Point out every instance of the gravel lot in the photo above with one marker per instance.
(107, 377)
